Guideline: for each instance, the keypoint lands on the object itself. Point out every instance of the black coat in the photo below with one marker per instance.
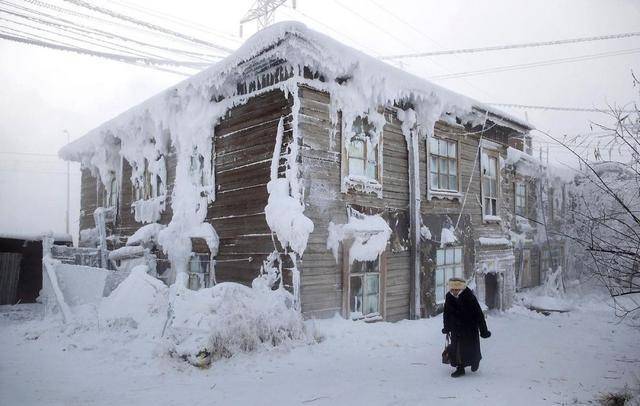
(463, 319)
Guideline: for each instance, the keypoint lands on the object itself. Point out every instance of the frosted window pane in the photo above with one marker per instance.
(356, 297)
(452, 149)
(372, 296)
(356, 166)
(440, 257)
(449, 256)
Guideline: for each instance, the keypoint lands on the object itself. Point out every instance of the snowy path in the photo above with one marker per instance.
(530, 359)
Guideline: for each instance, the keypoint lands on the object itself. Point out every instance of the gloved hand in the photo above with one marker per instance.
(485, 334)
(444, 331)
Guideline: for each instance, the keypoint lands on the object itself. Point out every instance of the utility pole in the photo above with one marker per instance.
(67, 217)
(262, 11)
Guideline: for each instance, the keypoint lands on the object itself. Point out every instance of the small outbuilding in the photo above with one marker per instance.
(21, 266)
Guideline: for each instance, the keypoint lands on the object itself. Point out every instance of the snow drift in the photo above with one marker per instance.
(230, 318)
(140, 301)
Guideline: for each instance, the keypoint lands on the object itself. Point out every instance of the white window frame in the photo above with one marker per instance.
(362, 182)
(449, 264)
(354, 314)
(487, 198)
(438, 157)
(520, 195)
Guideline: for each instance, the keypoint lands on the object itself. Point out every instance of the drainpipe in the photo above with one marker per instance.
(414, 215)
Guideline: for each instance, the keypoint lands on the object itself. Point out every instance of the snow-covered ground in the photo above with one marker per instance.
(530, 359)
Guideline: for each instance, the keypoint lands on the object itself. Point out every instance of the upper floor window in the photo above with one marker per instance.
(489, 184)
(362, 153)
(448, 265)
(362, 158)
(150, 183)
(520, 199)
(443, 164)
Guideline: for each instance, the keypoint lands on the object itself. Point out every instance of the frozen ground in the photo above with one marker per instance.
(531, 359)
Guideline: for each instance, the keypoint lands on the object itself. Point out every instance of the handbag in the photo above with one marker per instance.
(446, 354)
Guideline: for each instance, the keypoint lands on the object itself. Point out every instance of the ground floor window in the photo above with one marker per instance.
(364, 289)
(448, 265)
(199, 271)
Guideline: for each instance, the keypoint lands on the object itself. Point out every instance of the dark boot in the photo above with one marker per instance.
(458, 372)
(475, 367)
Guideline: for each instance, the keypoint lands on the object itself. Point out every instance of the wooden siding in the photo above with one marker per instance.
(243, 149)
(322, 287)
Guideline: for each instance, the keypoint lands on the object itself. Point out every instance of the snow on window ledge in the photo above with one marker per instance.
(444, 194)
(491, 219)
(362, 184)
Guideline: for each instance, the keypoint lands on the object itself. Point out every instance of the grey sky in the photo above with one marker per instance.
(45, 92)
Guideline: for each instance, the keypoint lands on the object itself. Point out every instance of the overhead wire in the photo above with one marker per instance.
(419, 32)
(559, 108)
(74, 13)
(137, 61)
(85, 40)
(148, 25)
(531, 65)
(516, 46)
(178, 20)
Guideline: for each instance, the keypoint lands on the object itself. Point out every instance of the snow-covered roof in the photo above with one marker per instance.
(36, 236)
(371, 79)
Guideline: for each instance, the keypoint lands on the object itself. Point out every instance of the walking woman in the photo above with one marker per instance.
(463, 320)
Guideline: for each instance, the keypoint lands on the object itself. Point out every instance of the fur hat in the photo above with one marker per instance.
(457, 283)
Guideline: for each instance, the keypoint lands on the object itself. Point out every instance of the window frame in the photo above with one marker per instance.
(439, 157)
(346, 267)
(364, 276)
(445, 268)
(491, 155)
(355, 182)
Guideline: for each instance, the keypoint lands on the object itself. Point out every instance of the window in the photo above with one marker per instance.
(448, 265)
(198, 271)
(489, 185)
(149, 184)
(520, 200)
(443, 164)
(363, 153)
(364, 289)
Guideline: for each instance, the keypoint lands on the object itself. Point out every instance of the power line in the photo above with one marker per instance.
(373, 24)
(27, 153)
(105, 21)
(150, 26)
(76, 26)
(559, 108)
(101, 43)
(405, 23)
(515, 46)
(178, 20)
(137, 61)
(530, 65)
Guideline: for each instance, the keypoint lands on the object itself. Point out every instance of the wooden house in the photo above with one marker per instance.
(364, 187)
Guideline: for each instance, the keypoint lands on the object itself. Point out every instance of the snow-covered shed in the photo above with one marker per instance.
(21, 265)
(363, 186)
